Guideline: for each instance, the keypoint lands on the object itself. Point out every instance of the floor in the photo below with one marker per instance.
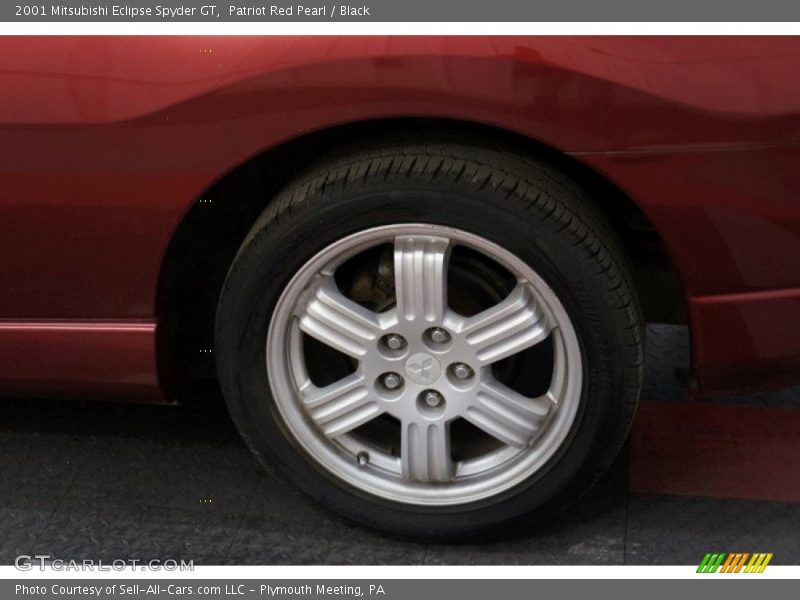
(89, 480)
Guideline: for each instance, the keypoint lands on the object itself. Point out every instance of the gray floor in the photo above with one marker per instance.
(89, 480)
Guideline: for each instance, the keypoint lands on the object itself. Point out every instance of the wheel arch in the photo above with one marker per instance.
(207, 238)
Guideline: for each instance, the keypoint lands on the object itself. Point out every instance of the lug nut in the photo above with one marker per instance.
(392, 381)
(394, 341)
(363, 459)
(462, 371)
(439, 335)
(432, 398)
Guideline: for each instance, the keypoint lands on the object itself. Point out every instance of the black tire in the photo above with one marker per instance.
(526, 206)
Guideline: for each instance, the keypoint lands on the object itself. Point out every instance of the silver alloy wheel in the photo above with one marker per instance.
(443, 361)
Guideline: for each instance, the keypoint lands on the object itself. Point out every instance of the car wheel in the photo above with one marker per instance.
(438, 340)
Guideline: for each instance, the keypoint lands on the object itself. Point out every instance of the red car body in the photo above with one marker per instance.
(107, 144)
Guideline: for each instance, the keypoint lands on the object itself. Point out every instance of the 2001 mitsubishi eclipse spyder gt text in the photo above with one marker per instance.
(419, 267)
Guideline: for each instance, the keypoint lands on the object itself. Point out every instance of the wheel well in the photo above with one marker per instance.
(207, 239)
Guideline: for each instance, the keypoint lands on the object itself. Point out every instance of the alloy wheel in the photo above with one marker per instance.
(421, 367)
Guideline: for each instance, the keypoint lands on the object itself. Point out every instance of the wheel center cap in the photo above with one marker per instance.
(422, 368)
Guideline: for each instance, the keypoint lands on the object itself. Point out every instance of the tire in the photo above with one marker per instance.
(509, 228)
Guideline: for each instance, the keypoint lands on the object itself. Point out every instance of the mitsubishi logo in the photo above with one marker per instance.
(422, 368)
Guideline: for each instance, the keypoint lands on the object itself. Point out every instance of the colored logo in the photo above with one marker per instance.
(735, 562)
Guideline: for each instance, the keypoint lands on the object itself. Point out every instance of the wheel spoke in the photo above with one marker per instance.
(338, 322)
(425, 451)
(506, 415)
(420, 267)
(341, 406)
(510, 327)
